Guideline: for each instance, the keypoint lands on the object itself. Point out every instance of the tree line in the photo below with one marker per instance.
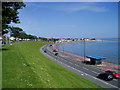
(10, 12)
(10, 15)
(17, 32)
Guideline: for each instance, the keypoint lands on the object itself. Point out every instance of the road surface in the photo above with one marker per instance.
(75, 65)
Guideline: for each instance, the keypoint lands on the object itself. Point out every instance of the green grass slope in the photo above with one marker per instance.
(25, 67)
(0, 70)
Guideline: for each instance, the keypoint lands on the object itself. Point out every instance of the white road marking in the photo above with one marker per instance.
(81, 71)
(87, 74)
(95, 72)
(91, 76)
(77, 65)
(85, 68)
(70, 63)
(115, 79)
(82, 74)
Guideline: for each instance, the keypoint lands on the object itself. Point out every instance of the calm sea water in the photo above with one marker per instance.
(107, 49)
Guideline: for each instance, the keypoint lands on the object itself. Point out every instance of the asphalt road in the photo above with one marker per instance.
(74, 64)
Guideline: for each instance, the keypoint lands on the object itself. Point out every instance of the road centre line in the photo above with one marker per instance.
(81, 71)
(85, 68)
(95, 72)
(76, 65)
(87, 74)
(115, 79)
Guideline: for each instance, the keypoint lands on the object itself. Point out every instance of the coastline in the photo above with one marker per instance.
(105, 65)
(75, 65)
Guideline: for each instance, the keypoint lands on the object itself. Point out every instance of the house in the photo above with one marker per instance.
(0, 37)
(12, 38)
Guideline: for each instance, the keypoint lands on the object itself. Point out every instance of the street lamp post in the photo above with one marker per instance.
(63, 47)
(84, 50)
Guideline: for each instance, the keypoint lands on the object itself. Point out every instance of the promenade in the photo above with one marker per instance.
(76, 65)
(103, 66)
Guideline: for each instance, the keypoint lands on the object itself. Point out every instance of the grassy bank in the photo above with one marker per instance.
(25, 67)
(0, 70)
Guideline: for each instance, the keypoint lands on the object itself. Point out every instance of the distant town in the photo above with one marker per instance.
(76, 39)
(6, 40)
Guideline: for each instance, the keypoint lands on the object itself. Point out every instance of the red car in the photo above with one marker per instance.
(55, 51)
(114, 73)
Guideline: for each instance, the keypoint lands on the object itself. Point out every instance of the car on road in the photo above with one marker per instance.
(55, 51)
(56, 54)
(50, 45)
(45, 51)
(114, 73)
(105, 76)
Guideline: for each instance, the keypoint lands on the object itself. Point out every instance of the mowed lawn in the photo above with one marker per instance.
(25, 67)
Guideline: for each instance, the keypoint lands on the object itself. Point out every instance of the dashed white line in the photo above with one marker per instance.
(90, 75)
(70, 63)
(115, 80)
(83, 72)
(95, 72)
(85, 68)
(76, 65)
(87, 74)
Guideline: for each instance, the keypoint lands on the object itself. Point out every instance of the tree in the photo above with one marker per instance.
(43, 39)
(16, 31)
(31, 37)
(22, 35)
(10, 14)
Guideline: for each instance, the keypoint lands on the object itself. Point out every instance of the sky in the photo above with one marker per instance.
(70, 19)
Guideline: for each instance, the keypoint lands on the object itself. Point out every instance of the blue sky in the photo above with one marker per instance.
(70, 19)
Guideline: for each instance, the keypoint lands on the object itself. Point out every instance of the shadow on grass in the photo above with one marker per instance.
(3, 49)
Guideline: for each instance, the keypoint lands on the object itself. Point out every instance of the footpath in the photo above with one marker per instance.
(79, 59)
(75, 64)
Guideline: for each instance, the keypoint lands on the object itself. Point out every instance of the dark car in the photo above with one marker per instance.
(45, 51)
(51, 45)
(56, 54)
(105, 76)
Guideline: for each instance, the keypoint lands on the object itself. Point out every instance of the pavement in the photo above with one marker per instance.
(0, 43)
(76, 65)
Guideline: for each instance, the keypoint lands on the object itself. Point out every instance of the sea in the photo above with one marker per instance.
(108, 48)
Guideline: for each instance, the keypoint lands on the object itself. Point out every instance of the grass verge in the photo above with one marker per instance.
(0, 70)
(25, 67)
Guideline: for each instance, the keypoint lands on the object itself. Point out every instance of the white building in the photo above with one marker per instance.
(0, 38)
(12, 38)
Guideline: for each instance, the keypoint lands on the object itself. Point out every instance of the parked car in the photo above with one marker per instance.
(114, 73)
(105, 76)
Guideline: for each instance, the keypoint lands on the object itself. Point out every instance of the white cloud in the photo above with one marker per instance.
(97, 9)
(74, 7)
(70, 7)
